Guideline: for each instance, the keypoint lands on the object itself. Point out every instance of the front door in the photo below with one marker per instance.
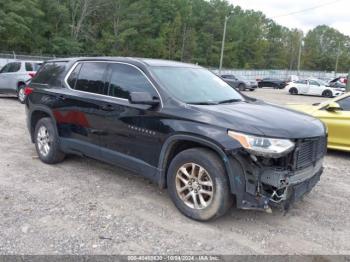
(338, 124)
(8, 77)
(132, 134)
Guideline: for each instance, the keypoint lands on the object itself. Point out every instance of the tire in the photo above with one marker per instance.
(45, 134)
(214, 173)
(241, 87)
(293, 91)
(20, 94)
(327, 93)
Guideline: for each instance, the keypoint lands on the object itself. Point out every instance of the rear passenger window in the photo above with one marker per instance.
(126, 79)
(49, 73)
(29, 67)
(91, 78)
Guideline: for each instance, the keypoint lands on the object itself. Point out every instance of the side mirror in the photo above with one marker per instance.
(333, 107)
(143, 98)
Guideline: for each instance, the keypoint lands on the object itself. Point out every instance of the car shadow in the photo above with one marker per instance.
(9, 97)
(337, 153)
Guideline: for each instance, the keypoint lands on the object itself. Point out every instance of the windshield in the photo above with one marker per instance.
(195, 85)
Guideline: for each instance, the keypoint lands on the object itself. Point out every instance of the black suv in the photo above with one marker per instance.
(180, 126)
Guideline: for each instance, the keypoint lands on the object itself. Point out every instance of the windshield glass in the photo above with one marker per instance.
(195, 85)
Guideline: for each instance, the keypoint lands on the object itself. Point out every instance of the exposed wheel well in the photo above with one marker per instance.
(176, 148)
(36, 116)
(20, 83)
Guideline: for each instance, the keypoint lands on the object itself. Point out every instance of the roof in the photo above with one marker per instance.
(145, 61)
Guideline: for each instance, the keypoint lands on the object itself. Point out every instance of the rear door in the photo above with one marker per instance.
(81, 113)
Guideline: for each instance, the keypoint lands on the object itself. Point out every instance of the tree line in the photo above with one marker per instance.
(184, 30)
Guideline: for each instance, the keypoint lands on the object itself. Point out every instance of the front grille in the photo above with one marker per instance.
(309, 151)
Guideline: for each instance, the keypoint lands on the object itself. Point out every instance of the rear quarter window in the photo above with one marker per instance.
(49, 73)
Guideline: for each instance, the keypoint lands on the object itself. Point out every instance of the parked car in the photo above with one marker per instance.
(240, 82)
(336, 115)
(272, 82)
(180, 126)
(339, 82)
(313, 87)
(14, 75)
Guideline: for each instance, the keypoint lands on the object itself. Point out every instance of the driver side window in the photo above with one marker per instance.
(314, 83)
(345, 103)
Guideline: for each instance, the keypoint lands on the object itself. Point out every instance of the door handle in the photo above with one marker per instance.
(62, 97)
(107, 108)
(98, 132)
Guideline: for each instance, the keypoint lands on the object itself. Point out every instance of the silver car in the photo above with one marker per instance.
(14, 75)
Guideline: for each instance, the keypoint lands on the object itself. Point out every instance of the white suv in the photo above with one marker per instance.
(14, 75)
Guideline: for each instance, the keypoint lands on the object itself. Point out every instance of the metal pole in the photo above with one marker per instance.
(223, 44)
(348, 83)
(337, 61)
(299, 56)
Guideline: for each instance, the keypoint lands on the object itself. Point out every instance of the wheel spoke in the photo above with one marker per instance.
(188, 196)
(195, 201)
(205, 183)
(206, 192)
(201, 199)
(182, 189)
(193, 171)
(184, 171)
(182, 180)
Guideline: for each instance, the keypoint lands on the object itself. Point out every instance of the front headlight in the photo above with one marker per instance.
(263, 146)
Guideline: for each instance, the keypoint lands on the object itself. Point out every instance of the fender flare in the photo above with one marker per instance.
(43, 109)
(167, 146)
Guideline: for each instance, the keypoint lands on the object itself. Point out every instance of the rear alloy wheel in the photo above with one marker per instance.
(21, 94)
(327, 93)
(46, 142)
(241, 87)
(198, 184)
(293, 91)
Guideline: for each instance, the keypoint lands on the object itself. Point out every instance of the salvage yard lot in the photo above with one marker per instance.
(86, 207)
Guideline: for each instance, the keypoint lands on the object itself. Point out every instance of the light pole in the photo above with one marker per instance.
(223, 42)
(300, 50)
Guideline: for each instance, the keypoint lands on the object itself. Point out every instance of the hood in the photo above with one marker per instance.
(307, 109)
(261, 118)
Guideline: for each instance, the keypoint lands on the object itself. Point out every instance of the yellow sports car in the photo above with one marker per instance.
(336, 115)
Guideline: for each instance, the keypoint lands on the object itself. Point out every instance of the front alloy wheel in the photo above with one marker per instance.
(194, 186)
(198, 184)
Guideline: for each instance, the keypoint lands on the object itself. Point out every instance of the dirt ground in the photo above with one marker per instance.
(86, 207)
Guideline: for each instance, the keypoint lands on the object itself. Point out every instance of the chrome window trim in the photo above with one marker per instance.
(113, 97)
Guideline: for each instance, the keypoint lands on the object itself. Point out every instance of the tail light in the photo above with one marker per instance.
(31, 75)
(28, 90)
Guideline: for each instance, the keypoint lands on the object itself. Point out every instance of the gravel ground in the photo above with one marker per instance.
(86, 207)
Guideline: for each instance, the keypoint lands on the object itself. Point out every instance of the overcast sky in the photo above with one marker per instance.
(333, 13)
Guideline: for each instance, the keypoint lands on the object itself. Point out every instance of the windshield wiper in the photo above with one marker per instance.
(203, 103)
(228, 101)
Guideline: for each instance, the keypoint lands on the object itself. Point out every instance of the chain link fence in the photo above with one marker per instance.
(6, 57)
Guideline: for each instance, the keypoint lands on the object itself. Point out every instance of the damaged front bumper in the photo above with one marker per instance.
(262, 188)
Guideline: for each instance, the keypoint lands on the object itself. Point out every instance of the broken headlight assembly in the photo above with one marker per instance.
(263, 146)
